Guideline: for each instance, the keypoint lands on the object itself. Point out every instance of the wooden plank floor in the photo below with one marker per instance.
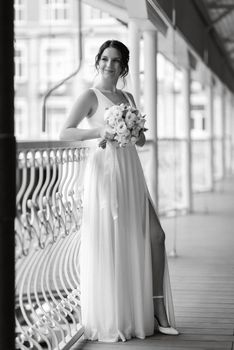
(202, 277)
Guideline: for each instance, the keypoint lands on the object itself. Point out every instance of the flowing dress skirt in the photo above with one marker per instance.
(115, 263)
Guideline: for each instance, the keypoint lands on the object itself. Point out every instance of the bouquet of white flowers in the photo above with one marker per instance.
(124, 123)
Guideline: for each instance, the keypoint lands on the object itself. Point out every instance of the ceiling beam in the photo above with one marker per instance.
(216, 5)
(224, 14)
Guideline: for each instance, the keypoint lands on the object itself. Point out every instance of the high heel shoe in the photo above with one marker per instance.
(164, 330)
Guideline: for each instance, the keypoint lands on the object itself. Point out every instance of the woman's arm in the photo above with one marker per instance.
(85, 105)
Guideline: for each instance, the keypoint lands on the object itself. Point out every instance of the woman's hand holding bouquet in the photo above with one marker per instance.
(123, 125)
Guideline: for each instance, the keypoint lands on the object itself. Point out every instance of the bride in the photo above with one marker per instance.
(125, 286)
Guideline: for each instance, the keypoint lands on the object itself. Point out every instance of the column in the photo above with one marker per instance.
(210, 129)
(150, 106)
(228, 131)
(223, 127)
(134, 66)
(187, 104)
(232, 131)
(7, 176)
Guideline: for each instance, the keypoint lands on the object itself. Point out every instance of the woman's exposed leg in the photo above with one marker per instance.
(158, 263)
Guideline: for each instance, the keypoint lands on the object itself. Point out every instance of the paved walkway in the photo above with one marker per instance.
(202, 277)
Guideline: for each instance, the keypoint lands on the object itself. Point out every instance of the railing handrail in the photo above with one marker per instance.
(50, 144)
(39, 145)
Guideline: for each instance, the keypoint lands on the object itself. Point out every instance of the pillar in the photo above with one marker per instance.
(150, 106)
(134, 66)
(210, 129)
(187, 104)
(7, 176)
(223, 127)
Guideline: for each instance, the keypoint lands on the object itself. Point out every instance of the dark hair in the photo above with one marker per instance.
(123, 51)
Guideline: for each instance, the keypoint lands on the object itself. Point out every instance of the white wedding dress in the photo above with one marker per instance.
(115, 262)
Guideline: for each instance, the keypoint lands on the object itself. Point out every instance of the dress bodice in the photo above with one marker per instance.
(97, 119)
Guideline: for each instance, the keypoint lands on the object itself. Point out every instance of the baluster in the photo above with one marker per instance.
(61, 194)
(69, 204)
(69, 166)
(33, 204)
(45, 228)
(58, 160)
(22, 165)
(39, 164)
(59, 222)
(71, 193)
(29, 233)
(47, 199)
(22, 180)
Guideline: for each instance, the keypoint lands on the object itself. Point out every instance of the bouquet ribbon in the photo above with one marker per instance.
(111, 168)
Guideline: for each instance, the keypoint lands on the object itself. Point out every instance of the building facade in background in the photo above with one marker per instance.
(47, 51)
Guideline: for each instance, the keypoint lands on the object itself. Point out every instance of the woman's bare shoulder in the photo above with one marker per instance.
(88, 98)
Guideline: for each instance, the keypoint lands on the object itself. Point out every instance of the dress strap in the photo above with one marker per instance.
(96, 91)
(100, 97)
(128, 98)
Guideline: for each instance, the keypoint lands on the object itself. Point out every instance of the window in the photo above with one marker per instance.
(57, 111)
(21, 115)
(198, 118)
(94, 15)
(56, 60)
(21, 62)
(56, 10)
(20, 11)
(97, 13)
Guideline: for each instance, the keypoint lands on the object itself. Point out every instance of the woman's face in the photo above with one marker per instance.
(110, 63)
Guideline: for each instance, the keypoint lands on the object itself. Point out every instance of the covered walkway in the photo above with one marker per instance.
(202, 277)
(189, 108)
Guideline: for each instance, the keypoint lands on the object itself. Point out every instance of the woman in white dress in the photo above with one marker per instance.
(125, 287)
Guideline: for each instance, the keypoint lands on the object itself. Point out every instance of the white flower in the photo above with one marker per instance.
(112, 120)
(130, 119)
(117, 111)
(108, 113)
(121, 128)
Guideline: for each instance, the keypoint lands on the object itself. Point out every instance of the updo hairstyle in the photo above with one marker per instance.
(123, 50)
